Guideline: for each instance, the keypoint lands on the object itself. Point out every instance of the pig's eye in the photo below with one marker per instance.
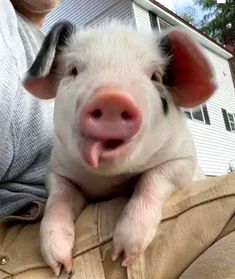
(156, 77)
(73, 72)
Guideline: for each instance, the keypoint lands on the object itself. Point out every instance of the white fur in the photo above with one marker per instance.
(163, 151)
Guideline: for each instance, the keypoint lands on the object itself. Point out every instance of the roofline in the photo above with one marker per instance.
(190, 25)
(173, 18)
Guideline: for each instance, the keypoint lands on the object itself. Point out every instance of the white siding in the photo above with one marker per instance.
(122, 10)
(141, 18)
(87, 13)
(215, 145)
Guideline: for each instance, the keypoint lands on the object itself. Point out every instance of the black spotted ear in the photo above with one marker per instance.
(40, 79)
(188, 73)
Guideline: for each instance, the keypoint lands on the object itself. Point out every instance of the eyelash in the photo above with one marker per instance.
(156, 77)
(73, 72)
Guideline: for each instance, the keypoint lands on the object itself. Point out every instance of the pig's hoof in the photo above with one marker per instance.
(131, 239)
(129, 260)
(56, 247)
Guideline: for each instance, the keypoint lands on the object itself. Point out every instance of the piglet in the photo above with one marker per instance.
(118, 128)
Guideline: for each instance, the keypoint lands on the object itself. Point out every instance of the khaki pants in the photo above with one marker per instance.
(196, 239)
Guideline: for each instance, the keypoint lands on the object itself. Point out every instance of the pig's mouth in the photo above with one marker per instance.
(94, 150)
(112, 144)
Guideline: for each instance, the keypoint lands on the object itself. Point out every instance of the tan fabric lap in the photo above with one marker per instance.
(218, 262)
(192, 221)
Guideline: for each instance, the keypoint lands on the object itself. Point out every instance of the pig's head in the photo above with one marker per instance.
(117, 91)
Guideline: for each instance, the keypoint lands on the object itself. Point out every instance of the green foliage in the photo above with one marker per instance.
(188, 17)
(218, 16)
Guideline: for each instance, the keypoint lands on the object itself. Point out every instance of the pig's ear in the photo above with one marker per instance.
(188, 73)
(41, 77)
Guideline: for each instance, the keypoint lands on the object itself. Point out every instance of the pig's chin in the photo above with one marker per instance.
(94, 151)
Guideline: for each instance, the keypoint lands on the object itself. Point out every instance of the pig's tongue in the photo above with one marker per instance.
(91, 151)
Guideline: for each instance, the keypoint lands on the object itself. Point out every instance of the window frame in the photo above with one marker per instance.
(159, 21)
(203, 109)
(229, 124)
(155, 21)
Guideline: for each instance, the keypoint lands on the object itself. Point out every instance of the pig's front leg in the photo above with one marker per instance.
(140, 218)
(65, 202)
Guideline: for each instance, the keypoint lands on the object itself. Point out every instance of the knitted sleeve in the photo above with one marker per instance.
(26, 123)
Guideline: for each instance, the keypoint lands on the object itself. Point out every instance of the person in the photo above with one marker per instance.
(194, 240)
(26, 123)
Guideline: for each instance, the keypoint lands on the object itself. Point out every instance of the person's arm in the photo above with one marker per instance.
(9, 80)
(13, 110)
(9, 83)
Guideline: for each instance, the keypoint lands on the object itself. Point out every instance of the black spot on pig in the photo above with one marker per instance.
(165, 45)
(164, 105)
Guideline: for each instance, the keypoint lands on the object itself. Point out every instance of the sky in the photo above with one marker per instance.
(179, 6)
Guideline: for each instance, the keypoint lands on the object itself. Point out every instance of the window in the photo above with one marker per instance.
(163, 25)
(153, 20)
(199, 114)
(158, 23)
(229, 120)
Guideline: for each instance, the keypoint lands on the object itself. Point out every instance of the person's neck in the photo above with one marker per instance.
(36, 18)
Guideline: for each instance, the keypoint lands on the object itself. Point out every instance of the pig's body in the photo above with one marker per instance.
(118, 128)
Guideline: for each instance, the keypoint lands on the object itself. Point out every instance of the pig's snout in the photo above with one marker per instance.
(107, 122)
(110, 115)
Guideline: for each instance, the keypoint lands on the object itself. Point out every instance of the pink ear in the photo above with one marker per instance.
(41, 87)
(193, 81)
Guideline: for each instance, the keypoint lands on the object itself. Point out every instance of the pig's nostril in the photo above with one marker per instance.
(126, 115)
(96, 114)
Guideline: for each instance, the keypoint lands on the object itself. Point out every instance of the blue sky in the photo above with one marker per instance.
(179, 6)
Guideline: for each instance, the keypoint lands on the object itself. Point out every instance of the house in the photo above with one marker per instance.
(213, 124)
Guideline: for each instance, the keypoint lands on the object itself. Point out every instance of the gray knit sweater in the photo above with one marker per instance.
(26, 125)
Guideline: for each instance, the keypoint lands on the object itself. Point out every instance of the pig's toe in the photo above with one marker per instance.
(130, 254)
(132, 239)
(56, 262)
(130, 259)
(56, 248)
(68, 264)
(56, 268)
(118, 245)
(128, 239)
(115, 254)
